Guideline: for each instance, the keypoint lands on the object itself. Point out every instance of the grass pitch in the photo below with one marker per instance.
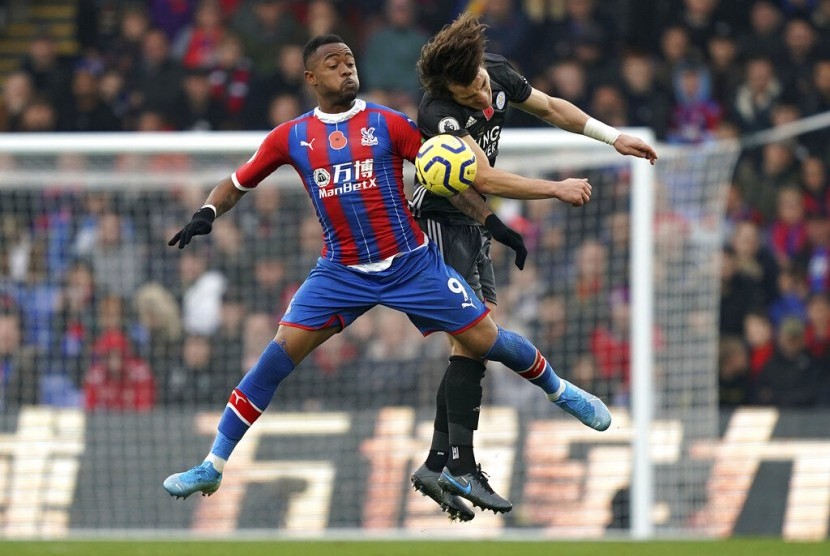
(736, 547)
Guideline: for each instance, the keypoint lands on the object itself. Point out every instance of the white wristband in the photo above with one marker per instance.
(595, 129)
(213, 208)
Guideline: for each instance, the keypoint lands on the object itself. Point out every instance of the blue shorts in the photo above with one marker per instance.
(434, 296)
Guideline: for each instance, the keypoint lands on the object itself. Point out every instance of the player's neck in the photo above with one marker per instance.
(335, 107)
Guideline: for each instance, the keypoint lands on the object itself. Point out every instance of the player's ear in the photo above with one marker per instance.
(310, 78)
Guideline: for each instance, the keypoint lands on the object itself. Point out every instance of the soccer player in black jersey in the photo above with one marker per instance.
(467, 92)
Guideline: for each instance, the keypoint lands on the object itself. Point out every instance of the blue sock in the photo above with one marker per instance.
(250, 398)
(518, 354)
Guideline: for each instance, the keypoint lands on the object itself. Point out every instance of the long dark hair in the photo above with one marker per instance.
(453, 56)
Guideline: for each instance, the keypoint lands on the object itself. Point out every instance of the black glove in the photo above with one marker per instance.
(511, 238)
(201, 224)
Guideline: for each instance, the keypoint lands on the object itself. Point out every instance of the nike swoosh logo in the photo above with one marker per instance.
(464, 489)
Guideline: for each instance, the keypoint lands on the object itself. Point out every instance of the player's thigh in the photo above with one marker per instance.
(461, 247)
(433, 295)
(331, 296)
(457, 348)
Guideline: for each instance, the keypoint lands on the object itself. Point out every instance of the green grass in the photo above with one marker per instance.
(737, 547)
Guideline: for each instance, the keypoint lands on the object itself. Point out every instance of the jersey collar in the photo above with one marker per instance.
(358, 106)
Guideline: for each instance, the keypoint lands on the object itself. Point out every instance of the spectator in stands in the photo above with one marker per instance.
(760, 182)
(760, 339)
(788, 232)
(18, 92)
(195, 380)
(815, 187)
(155, 83)
(39, 116)
(19, 365)
(608, 105)
(118, 261)
(814, 259)
(197, 44)
(566, 79)
(695, 116)
(790, 378)
(391, 52)
(818, 101)
(792, 297)
(724, 64)
(611, 348)
(701, 21)
(286, 79)
(588, 288)
(675, 51)
(227, 342)
(124, 52)
(740, 294)
(51, 73)
(197, 109)
(323, 17)
(230, 80)
(118, 380)
(755, 259)
(756, 95)
(764, 35)
(171, 16)
(74, 328)
(818, 328)
(283, 108)
(795, 67)
(266, 26)
(648, 105)
(158, 327)
(85, 110)
(200, 294)
(734, 380)
(508, 32)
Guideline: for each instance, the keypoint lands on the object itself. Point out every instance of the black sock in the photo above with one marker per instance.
(462, 460)
(438, 452)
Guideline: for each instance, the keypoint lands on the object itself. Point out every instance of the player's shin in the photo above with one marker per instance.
(463, 394)
(518, 354)
(248, 400)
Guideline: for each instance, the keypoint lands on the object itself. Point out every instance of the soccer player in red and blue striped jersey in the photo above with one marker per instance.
(350, 154)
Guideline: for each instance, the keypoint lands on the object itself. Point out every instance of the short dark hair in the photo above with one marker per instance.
(316, 42)
(454, 55)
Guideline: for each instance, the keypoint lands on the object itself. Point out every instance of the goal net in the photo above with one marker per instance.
(122, 351)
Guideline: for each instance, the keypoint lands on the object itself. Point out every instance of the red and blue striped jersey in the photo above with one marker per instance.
(352, 167)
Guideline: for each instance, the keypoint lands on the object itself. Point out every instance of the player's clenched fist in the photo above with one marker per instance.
(200, 224)
(576, 191)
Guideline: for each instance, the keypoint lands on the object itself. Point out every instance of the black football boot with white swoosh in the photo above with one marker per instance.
(475, 488)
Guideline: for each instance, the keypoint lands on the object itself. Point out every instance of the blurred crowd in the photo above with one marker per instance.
(97, 311)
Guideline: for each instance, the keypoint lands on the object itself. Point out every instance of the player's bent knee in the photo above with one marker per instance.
(478, 340)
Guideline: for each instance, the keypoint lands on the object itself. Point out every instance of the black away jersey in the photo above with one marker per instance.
(443, 115)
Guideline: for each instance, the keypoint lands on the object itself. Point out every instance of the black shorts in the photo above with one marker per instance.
(467, 249)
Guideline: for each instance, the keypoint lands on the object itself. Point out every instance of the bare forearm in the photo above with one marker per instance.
(224, 196)
(565, 115)
(472, 204)
(492, 181)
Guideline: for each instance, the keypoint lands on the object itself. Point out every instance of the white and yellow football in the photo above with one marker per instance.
(445, 165)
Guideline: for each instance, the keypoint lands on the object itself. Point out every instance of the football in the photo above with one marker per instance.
(445, 165)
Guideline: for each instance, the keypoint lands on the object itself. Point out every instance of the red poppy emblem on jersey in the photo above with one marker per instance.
(337, 140)
(488, 112)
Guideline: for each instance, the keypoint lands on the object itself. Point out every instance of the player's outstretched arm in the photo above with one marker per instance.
(492, 181)
(220, 200)
(567, 116)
